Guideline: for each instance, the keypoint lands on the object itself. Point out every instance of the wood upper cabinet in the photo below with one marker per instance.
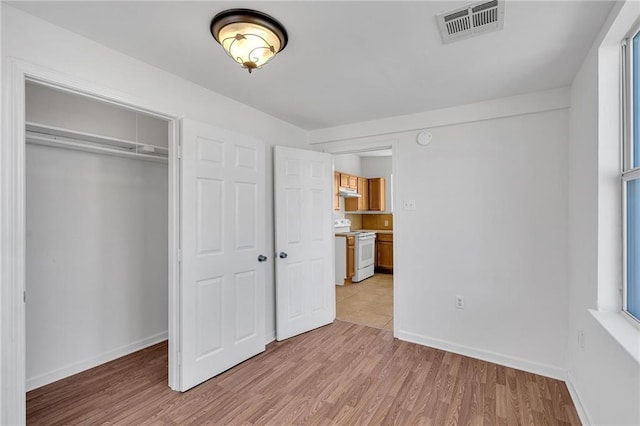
(384, 252)
(336, 188)
(351, 256)
(371, 190)
(376, 194)
(363, 189)
(348, 181)
(361, 203)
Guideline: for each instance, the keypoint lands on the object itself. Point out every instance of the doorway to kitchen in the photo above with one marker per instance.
(363, 220)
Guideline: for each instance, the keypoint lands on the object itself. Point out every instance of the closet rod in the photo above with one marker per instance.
(58, 142)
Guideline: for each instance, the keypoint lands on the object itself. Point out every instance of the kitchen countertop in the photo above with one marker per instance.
(352, 233)
(377, 231)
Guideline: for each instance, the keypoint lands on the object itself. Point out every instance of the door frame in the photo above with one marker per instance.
(355, 146)
(12, 224)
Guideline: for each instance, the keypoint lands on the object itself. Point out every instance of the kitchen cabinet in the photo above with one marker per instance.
(376, 194)
(371, 190)
(348, 181)
(344, 180)
(361, 203)
(345, 246)
(353, 182)
(336, 188)
(351, 256)
(384, 252)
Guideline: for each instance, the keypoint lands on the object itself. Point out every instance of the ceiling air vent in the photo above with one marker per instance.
(472, 20)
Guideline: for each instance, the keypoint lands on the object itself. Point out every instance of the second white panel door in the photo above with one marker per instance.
(305, 291)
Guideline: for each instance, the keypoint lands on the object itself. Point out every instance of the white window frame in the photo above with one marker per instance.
(629, 173)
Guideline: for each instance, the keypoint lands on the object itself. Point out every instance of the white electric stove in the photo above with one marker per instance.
(365, 255)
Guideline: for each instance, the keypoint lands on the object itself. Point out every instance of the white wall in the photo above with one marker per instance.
(348, 163)
(35, 41)
(380, 167)
(96, 259)
(490, 224)
(604, 376)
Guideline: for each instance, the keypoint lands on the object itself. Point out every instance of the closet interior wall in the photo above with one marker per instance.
(96, 238)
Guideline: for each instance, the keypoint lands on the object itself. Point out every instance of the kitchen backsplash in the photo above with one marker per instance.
(371, 221)
(356, 220)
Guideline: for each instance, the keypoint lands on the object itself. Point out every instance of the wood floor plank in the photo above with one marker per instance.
(339, 374)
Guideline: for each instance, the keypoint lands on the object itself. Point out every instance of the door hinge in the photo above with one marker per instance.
(24, 296)
(179, 255)
(179, 151)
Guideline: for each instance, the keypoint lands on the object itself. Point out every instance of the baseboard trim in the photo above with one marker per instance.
(77, 367)
(270, 338)
(577, 401)
(508, 361)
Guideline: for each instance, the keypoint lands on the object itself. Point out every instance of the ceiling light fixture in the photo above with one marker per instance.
(249, 37)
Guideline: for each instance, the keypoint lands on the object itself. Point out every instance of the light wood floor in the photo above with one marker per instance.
(339, 374)
(369, 302)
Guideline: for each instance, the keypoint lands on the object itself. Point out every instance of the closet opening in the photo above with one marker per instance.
(97, 188)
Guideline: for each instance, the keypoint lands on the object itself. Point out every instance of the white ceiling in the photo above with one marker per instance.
(348, 61)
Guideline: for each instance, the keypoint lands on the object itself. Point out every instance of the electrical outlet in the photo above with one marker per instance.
(460, 302)
(409, 204)
(386, 223)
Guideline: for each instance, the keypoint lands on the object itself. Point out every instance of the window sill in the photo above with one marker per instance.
(623, 331)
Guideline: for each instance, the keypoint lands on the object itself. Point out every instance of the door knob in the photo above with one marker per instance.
(283, 255)
(262, 258)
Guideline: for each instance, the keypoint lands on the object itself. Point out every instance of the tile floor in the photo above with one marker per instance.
(369, 302)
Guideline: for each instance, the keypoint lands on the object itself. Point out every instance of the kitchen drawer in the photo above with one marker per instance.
(384, 237)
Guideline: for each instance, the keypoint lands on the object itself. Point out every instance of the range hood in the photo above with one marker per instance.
(348, 193)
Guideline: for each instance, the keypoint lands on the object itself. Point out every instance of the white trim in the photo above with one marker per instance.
(77, 367)
(506, 360)
(623, 328)
(13, 404)
(631, 174)
(583, 414)
(626, 116)
(175, 244)
(271, 337)
(529, 103)
(12, 226)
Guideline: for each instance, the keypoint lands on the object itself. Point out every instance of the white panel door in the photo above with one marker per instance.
(305, 291)
(223, 237)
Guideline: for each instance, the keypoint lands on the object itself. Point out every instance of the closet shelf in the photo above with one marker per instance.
(42, 134)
